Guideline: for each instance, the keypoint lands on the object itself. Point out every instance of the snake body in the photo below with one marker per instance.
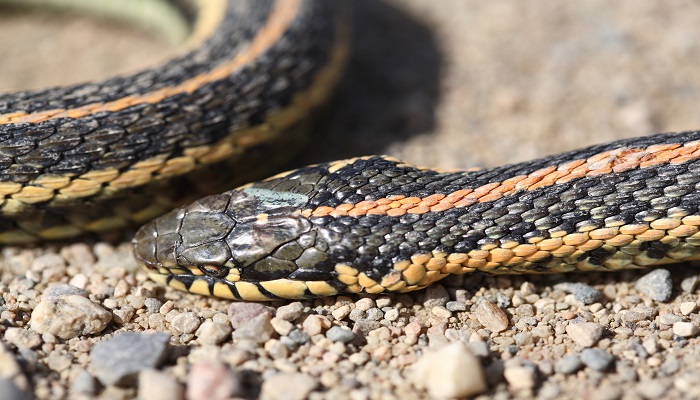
(100, 156)
(105, 155)
(376, 224)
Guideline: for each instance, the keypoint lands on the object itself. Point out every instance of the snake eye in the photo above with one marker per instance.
(215, 271)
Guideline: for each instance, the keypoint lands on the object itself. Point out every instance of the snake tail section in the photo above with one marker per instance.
(376, 224)
(105, 155)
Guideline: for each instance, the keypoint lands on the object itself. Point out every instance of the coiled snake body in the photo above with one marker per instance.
(370, 224)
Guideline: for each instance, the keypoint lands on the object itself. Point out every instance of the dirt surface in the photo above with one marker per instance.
(450, 84)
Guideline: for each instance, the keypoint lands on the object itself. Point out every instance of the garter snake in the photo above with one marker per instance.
(370, 224)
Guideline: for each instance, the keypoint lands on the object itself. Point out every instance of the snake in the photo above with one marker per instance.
(100, 156)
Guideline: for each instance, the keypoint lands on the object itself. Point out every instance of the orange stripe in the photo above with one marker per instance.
(281, 16)
(613, 161)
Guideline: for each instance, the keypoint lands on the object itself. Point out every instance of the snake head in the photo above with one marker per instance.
(248, 235)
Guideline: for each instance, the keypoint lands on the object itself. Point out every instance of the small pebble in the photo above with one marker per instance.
(374, 314)
(585, 334)
(157, 385)
(383, 302)
(657, 284)
(568, 364)
(451, 371)
(186, 322)
(356, 315)
(364, 304)
(441, 312)
(258, 329)
(240, 313)
(281, 326)
(651, 389)
(596, 359)
(523, 338)
(22, 338)
(456, 306)
(152, 304)
(315, 324)
(69, 316)
(435, 295)
(211, 332)
(341, 312)
(298, 336)
(291, 311)
(520, 377)
(338, 334)
(685, 329)
(688, 307)
(213, 380)
(581, 292)
(288, 386)
(491, 317)
(391, 315)
(689, 284)
(669, 319)
(118, 360)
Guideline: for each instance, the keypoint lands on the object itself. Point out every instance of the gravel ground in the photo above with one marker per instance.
(449, 84)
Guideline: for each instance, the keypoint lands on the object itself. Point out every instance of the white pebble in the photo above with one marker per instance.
(688, 307)
(685, 329)
(452, 371)
(585, 334)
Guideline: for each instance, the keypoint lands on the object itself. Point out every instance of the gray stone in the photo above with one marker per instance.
(84, 383)
(338, 334)
(10, 391)
(657, 284)
(568, 364)
(356, 315)
(298, 336)
(689, 284)
(241, 313)
(258, 329)
(58, 290)
(365, 326)
(291, 311)
(119, 360)
(596, 359)
(669, 319)
(456, 306)
(582, 292)
(374, 314)
(152, 304)
(670, 366)
(69, 316)
(452, 371)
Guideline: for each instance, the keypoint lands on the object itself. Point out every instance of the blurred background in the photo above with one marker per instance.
(451, 84)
